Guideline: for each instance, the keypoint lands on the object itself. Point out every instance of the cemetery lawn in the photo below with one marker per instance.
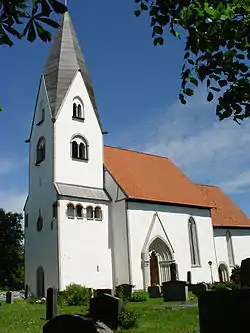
(22, 317)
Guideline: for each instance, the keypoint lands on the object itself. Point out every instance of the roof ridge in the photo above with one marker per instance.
(207, 185)
(138, 152)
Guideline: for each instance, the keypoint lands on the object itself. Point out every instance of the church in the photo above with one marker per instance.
(102, 216)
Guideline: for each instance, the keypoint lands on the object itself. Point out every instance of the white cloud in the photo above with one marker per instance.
(6, 166)
(206, 150)
(11, 200)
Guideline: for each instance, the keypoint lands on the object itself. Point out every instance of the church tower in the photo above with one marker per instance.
(66, 212)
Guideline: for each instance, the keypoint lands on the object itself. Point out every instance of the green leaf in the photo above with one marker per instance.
(48, 21)
(208, 83)
(143, 6)
(44, 35)
(210, 97)
(194, 81)
(58, 7)
(158, 29)
(31, 33)
(188, 92)
(215, 89)
(190, 61)
(186, 55)
(222, 83)
(137, 13)
(1, 109)
(158, 40)
(182, 99)
(240, 56)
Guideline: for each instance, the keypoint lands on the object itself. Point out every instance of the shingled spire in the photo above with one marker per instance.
(64, 61)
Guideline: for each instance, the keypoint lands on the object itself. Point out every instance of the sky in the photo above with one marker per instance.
(136, 87)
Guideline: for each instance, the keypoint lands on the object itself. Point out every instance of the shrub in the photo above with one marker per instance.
(76, 294)
(32, 300)
(124, 292)
(224, 286)
(236, 275)
(139, 296)
(128, 318)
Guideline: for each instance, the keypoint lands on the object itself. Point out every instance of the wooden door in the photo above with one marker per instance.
(154, 271)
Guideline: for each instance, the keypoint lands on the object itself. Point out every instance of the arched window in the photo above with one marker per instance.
(79, 148)
(90, 213)
(70, 211)
(98, 213)
(74, 149)
(230, 248)
(79, 211)
(40, 286)
(223, 273)
(40, 150)
(79, 111)
(43, 115)
(39, 224)
(193, 240)
(55, 210)
(74, 110)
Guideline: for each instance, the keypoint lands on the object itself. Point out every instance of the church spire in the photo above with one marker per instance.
(64, 60)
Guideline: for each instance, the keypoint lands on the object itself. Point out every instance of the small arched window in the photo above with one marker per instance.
(74, 110)
(70, 211)
(223, 273)
(78, 109)
(39, 224)
(79, 148)
(193, 240)
(74, 149)
(79, 211)
(230, 248)
(40, 150)
(98, 213)
(54, 210)
(90, 213)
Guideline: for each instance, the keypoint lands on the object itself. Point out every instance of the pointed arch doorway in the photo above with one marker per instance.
(156, 263)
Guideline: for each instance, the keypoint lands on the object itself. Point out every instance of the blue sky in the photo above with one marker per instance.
(136, 87)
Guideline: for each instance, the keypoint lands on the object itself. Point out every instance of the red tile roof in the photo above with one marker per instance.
(225, 212)
(149, 177)
(155, 178)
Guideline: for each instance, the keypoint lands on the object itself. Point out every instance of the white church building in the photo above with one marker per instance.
(102, 216)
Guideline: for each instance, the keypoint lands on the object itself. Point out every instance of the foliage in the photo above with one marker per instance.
(75, 294)
(19, 19)
(128, 318)
(12, 251)
(26, 318)
(120, 292)
(32, 300)
(139, 296)
(217, 48)
(236, 275)
(223, 286)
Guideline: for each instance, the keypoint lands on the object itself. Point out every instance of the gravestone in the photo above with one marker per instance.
(125, 289)
(189, 277)
(154, 292)
(173, 271)
(199, 289)
(51, 303)
(98, 292)
(174, 291)
(107, 309)
(75, 324)
(245, 273)
(26, 292)
(9, 297)
(224, 311)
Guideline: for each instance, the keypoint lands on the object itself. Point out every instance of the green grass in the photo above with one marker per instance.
(21, 317)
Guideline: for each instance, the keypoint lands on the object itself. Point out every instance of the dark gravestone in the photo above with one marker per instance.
(199, 289)
(245, 273)
(106, 309)
(51, 303)
(9, 297)
(124, 291)
(74, 324)
(224, 311)
(189, 277)
(98, 292)
(173, 271)
(154, 292)
(26, 292)
(175, 291)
